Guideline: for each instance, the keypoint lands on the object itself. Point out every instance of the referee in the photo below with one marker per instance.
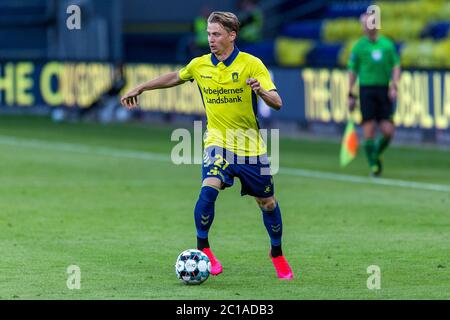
(375, 62)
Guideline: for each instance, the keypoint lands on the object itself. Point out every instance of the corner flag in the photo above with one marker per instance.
(350, 143)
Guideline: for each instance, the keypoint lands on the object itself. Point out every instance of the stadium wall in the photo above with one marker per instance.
(315, 99)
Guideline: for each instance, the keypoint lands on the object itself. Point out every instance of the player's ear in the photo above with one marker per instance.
(233, 35)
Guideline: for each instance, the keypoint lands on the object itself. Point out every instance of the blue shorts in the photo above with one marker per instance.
(253, 172)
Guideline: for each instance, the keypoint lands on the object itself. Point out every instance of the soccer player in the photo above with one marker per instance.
(229, 81)
(375, 62)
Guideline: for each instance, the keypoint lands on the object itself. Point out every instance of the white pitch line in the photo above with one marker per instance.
(83, 148)
(145, 155)
(366, 180)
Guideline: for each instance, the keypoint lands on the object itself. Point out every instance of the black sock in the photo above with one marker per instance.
(202, 243)
(276, 251)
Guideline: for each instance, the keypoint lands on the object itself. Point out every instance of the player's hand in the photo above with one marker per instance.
(392, 93)
(254, 84)
(351, 103)
(131, 98)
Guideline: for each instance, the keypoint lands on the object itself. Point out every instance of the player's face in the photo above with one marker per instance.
(220, 40)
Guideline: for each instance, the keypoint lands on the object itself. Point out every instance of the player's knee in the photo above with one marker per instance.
(213, 182)
(369, 127)
(268, 204)
(388, 129)
(389, 133)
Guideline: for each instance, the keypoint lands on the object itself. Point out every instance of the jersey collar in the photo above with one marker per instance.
(371, 41)
(228, 61)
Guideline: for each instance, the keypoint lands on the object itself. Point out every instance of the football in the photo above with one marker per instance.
(192, 267)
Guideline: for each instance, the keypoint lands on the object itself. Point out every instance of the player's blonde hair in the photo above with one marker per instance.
(228, 20)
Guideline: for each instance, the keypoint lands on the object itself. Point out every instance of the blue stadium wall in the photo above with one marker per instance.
(313, 98)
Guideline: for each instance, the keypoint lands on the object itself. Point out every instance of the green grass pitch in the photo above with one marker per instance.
(83, 194)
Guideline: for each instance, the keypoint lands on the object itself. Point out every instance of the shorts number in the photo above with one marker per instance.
(221, 162)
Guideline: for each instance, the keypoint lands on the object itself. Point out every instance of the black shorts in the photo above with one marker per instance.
(375, 103)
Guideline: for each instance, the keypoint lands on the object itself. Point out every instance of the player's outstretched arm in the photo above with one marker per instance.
(271, 98)
(130, 99)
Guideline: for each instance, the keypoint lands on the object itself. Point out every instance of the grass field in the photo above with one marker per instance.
(106, 199)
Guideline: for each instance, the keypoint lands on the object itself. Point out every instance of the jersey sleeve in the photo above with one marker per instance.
(353, 61)
(186, 73)
(263, 76)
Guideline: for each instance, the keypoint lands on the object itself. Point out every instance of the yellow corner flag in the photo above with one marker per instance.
(349, 147)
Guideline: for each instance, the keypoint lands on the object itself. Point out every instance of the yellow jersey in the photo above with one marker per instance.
(230, 104)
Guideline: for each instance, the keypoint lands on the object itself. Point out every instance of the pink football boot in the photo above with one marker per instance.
(282, 267)
(216, 267)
